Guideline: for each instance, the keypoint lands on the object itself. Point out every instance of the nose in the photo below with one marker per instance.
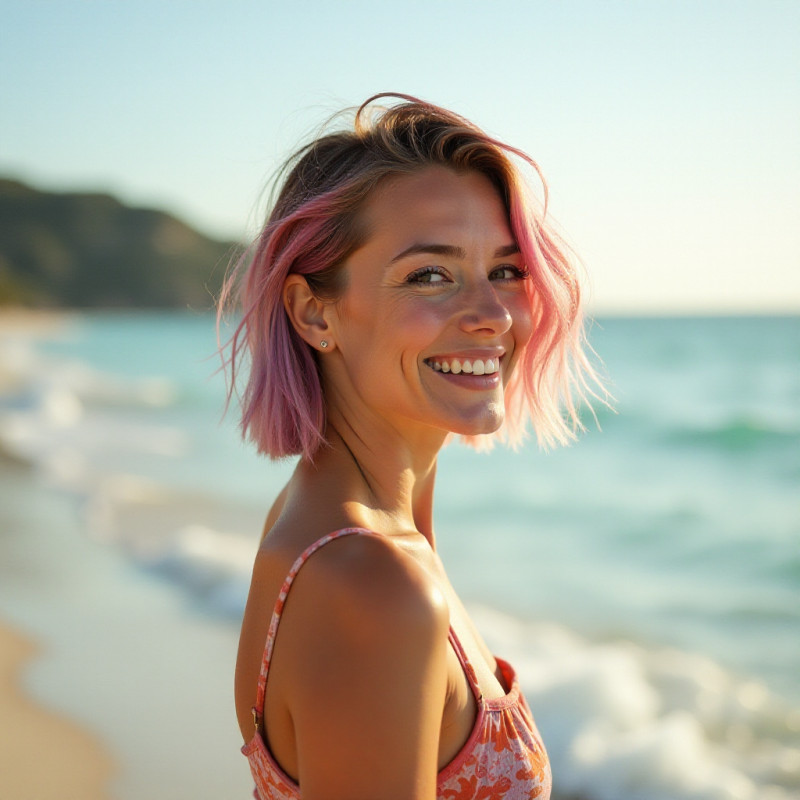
(485, 312)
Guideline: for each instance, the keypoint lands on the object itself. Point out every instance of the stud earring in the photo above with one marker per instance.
(323, 344)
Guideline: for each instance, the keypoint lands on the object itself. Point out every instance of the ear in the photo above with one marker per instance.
(306, 312)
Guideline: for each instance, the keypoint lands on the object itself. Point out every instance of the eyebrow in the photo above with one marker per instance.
(451, 251)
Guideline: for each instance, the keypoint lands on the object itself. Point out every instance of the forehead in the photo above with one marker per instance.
(437, 202)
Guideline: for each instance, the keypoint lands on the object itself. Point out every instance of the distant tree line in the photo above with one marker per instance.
(73, 250)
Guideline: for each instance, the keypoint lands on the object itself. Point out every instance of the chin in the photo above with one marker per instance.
(488, 422)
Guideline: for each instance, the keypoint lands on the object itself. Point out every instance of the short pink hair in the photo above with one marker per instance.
(314, 226)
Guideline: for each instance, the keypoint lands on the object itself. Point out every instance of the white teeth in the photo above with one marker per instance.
(475, 367)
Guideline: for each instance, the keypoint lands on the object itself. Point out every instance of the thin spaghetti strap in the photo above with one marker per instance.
(258, 708)
(469, 670)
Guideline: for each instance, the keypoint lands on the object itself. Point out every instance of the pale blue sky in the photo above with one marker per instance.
(669, 131)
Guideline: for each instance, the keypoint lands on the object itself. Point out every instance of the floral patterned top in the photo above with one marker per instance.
(503, 758)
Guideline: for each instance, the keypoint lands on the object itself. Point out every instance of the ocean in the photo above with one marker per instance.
(645, 581)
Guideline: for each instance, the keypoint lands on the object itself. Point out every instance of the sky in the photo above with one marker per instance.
(668, 131)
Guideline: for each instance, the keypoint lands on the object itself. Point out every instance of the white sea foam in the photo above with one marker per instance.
(51, 408)
(213, 566)
(102, 388)
(623, 721)
(58, 391)
(53, 433)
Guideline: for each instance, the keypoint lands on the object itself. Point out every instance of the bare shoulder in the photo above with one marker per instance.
(360, 583)
(358, 593)
(359, 669)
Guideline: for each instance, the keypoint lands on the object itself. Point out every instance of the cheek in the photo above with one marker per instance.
(522, 330)
(522, 317)
(427, 319)
(411, 327)
(391, 330)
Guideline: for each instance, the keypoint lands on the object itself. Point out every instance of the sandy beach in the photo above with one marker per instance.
(113, 683)
(33, 321)
(136, 683)
(43, 755)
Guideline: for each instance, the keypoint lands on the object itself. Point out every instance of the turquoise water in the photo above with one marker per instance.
(645, 580)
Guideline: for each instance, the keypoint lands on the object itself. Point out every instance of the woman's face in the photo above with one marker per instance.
(435, 311)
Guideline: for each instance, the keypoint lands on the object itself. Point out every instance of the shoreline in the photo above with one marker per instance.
(126, 571)
(130, 693)
(43, 753)
(18, 321)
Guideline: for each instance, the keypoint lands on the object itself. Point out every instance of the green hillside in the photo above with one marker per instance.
(73, 250)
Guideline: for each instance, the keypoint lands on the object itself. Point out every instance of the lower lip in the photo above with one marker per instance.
(468, 381)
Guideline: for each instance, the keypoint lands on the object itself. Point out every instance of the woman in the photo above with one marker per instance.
(404, 289)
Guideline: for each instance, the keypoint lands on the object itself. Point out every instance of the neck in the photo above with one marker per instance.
(386, 479)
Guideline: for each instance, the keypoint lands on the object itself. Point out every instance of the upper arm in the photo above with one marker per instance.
(368, 642)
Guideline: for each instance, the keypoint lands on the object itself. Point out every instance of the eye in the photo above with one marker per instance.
(508, 272)
(427, 275)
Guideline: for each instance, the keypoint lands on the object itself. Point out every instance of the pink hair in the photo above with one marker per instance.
(314, 227)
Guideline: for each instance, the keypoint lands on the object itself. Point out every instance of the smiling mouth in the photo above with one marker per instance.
(466, 366)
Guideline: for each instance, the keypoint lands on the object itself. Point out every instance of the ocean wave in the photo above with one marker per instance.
(201, 543)
(739, 434)
(620, 720)
(693, 426)
(64, 415)
(30, 378)
(213, 567)
(71, 448)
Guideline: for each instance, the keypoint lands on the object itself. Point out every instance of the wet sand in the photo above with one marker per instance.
(84, 631)
(43, 754)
